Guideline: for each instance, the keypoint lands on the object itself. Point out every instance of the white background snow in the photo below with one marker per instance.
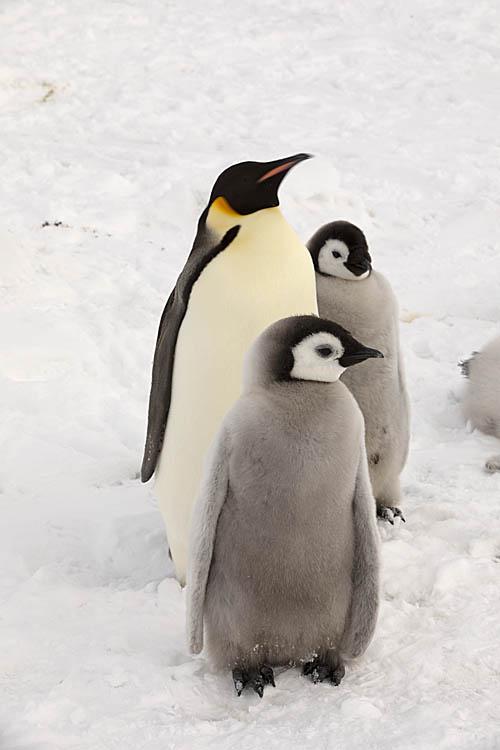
(115, 119)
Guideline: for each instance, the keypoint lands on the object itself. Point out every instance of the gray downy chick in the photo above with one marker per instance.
(284, 563)
(481, 403)
(361, 299)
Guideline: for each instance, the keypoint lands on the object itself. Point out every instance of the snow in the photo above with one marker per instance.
(115, 119)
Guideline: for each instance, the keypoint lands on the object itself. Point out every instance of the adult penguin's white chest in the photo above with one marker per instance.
(265, 274)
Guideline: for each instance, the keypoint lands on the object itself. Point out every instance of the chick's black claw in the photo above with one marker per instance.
(308, 667)
(257, 679)
(240, 679)
(258, 686)
(398, 513)
(319, 672)
(337, 675)
(386, 514)
(389, 513)
(268, 675)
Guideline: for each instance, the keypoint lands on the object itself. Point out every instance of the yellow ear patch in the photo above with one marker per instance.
(221, 204)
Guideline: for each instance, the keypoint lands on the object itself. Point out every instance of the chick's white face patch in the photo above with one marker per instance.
(317, 358)
(331, 259)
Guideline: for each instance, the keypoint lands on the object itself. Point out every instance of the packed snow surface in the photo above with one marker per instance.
(115, 119)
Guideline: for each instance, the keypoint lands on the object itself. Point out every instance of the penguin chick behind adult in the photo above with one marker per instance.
(481, 402)
(359, 298)
(284, 563)
(246, 270)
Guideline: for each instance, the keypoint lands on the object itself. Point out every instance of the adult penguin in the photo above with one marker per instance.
(246, 270)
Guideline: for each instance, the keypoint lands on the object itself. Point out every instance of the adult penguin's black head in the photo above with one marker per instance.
(253, 185)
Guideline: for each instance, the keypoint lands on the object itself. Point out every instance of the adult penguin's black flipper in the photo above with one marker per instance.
(170, 323)
(161, 384)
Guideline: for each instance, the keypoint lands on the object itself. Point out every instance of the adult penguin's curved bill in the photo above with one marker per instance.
(247, 269)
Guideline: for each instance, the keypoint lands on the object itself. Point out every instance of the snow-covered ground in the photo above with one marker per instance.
(115, 119)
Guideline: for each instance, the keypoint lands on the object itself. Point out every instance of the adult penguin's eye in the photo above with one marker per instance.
(324, 351)
(335, 253)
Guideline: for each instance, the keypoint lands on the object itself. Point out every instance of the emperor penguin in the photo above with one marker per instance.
(284, 560)
(481, 402)
(359, 298)
(246, 270)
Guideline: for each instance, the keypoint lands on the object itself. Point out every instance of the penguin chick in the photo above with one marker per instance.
(284, 564)
(361, 299)
(246, 270)
(481, 402)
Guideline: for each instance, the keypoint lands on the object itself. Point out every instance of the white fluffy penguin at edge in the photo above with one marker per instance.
(481, 402)
(246, 270)
(353, 294)
(284, 552)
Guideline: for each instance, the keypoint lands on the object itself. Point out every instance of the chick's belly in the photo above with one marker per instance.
(282, 565)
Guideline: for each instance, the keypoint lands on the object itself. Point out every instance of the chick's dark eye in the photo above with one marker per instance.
(335, 253)
(324, 351)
